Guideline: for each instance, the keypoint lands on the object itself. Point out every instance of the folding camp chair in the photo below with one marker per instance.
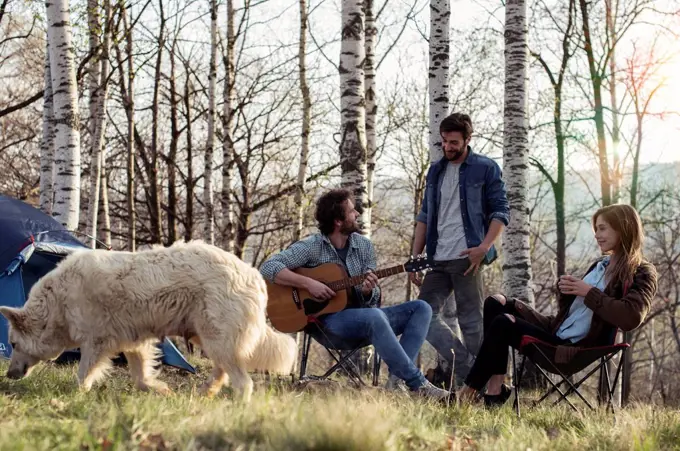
(341, 351)
(543, 355)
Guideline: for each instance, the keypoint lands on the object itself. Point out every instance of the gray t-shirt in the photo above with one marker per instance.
(450, 227)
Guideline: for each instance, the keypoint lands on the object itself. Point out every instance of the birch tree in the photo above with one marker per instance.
(353, 107)
(371, 106)
(209, 226)
(98, 120)
(129, 104)
(47, 143)
(517, 276)
(438, 88)
(66, 207)
(306, 119)
(228, 152)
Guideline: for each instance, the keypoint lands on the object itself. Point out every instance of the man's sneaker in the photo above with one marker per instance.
(428, 390)
(395, 384)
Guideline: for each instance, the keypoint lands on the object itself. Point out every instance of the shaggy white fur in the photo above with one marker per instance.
(107, 302)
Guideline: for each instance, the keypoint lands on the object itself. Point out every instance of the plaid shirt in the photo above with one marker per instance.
(316, 250)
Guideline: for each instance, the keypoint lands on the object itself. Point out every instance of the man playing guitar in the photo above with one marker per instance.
(338, 242)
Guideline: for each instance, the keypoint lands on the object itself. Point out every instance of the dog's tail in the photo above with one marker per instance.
(276, 353)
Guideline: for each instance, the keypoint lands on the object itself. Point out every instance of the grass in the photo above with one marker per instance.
(46, 411)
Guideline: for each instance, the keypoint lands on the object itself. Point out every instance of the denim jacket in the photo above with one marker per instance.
(482, 198)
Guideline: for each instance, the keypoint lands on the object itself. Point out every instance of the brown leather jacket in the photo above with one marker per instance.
(613, 309)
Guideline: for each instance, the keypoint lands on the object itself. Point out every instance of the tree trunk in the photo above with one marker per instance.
(172, 154)
(130, 142)
(228, 151)
(47, 143)
(517, 276)
(154, 191)
(98, 121)
(66, 208)
(94, 70)
(371, 108)
(353, 107)
(616, 133)
(438, 87)
(104, 214)
(189, 215)
(596, 78)
(306, 119)
(209, 226)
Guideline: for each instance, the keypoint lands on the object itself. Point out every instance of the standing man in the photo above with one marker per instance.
(338, 242)
(464, 211)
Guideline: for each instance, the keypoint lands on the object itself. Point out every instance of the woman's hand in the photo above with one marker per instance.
(573, 285)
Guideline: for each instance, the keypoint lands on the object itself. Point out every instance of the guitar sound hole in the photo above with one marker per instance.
(312, 306)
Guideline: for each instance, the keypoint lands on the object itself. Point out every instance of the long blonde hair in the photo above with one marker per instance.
(625, 220)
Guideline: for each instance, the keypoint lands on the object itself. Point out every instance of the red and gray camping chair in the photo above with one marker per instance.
(31, 245)
(545, 357)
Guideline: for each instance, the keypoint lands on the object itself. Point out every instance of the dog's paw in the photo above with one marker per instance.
(209, 389)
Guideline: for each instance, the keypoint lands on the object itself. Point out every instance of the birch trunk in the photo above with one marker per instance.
(517, 276)
(172, 154)
(66, 208)
(371, 108)
(438, 86)
(99, 124)
(47, 143)
(189, 215)
(306, 113)
(130, 100)
(104, 214)
(209, 226)
(596, 77)
(94, 69)
(616, 126)
(353, 107)
(228, 151)
(154, 191)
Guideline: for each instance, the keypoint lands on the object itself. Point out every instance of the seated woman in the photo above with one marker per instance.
(616, 292)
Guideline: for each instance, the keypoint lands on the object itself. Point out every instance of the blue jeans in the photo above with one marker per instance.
(380, 327)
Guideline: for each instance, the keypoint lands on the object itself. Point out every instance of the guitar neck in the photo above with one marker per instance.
(356, 280)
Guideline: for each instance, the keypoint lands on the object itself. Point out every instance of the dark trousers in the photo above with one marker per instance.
(499, 333)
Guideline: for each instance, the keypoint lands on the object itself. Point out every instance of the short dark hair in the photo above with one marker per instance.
(330, 207)
(457, 122)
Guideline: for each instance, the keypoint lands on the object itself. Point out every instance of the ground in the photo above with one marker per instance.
(46, 412)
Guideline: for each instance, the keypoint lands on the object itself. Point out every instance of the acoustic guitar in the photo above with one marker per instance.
(289, 307)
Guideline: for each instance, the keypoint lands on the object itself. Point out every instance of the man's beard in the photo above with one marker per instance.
(349, 227)
(456, 155)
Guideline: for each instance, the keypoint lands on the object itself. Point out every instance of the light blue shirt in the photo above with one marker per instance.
(577, 324)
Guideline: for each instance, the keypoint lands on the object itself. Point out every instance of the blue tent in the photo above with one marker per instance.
(31, 245)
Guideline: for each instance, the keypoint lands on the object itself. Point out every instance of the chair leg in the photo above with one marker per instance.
(342, 362)
(612, 387)
(564, 378)
(376, 368)
(306, 343)
(516, 380)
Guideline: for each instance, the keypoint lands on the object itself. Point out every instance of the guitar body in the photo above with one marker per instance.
(288, 307)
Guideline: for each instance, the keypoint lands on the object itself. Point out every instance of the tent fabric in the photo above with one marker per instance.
(31, 245)
(20, 223)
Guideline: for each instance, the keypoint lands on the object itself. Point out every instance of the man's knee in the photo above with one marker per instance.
(422, 307)
(512, 318)
(375, 318)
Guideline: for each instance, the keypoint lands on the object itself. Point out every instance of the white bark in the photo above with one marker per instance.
(228, 152)
(209, 226)
(47, 144)
(306, 113)
(94, 69)
(352, 106)
(517, 275)
(97, 177)
(132, 212)
(438, 87)
(371, 107)
(66, 206)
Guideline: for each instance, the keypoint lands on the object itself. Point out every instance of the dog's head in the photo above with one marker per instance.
(31, 341)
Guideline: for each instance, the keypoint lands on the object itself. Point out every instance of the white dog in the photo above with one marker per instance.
(106, 302)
